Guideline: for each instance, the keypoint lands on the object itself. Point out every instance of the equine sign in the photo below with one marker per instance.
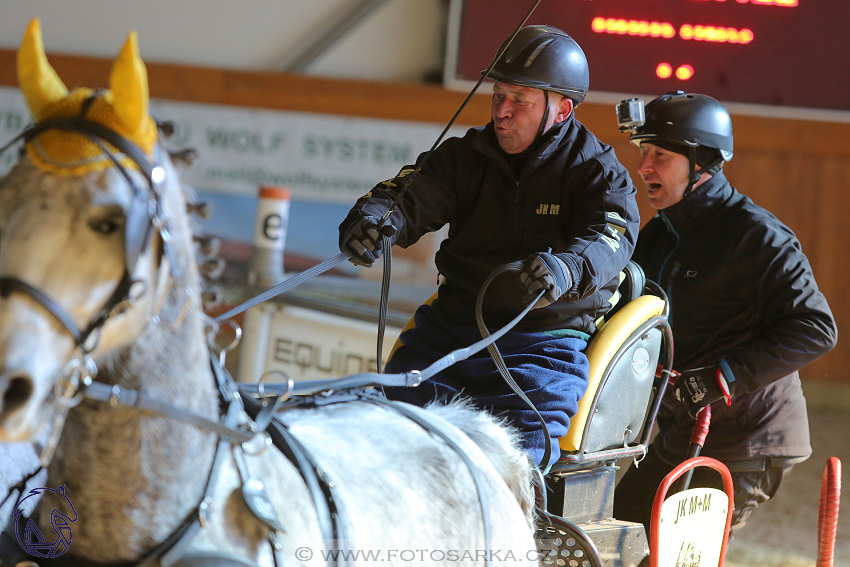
(306, 344)
(30, 537)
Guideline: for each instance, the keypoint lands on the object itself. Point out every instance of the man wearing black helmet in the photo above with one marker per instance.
(536, 186)
(746, 312)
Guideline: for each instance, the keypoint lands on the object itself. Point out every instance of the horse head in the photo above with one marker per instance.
(82, 221)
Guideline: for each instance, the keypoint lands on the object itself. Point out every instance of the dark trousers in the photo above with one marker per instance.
(635, 492)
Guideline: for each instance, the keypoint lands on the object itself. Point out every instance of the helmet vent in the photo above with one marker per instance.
(537, 52)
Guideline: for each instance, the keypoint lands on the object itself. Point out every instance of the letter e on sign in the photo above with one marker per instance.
(272, 218)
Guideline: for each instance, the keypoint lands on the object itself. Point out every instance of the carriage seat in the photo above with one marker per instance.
(615, 412)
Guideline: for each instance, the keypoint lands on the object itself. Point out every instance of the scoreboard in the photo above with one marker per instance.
(784, 55)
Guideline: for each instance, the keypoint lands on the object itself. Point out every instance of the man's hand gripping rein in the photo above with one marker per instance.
(545, 271)
(364, 239)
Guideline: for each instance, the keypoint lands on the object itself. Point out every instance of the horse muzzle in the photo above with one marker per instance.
(16, 391)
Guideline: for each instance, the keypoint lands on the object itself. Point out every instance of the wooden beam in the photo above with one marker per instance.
(280, 91)
(402, 101)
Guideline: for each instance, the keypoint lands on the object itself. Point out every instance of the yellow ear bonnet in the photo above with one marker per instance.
(123, 109)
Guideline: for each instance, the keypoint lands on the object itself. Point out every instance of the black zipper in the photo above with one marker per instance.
(675, 245)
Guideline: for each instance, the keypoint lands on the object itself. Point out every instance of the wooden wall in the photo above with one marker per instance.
(797, 169)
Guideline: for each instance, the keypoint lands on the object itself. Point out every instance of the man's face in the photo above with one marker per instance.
(516, 113)
(665, 174)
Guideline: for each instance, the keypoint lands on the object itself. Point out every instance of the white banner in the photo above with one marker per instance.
(320, 157)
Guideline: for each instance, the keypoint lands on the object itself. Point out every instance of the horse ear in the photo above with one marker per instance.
(39, 83)
(129, 85)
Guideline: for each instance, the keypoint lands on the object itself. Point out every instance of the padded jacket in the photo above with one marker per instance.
(572, 196)
(742, 294)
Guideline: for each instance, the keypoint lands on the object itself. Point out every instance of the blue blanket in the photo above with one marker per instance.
(552, 371)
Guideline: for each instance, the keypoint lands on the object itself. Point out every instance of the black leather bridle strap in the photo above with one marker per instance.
(10, 284)
(81, 125)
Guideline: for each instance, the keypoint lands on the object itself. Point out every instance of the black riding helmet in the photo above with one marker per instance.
(546, 58)
(691, 123)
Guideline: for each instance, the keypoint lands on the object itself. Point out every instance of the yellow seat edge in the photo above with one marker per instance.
(601, 350)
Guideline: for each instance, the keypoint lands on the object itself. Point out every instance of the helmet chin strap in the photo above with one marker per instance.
(693, 174)
(545, 119)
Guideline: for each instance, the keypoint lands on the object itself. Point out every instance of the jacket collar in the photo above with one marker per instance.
(699, 203)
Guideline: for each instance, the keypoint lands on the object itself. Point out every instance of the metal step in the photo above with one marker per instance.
(583, 496)
(620, 544)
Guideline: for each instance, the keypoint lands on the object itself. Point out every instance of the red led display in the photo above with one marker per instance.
(767, 52)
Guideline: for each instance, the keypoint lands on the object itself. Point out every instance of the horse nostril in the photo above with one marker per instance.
(18, 391)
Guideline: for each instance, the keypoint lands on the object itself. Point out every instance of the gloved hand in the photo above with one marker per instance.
(700, 387)
(545, 271)
(363, 239)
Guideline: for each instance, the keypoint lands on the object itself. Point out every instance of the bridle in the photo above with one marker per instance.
(143, 214)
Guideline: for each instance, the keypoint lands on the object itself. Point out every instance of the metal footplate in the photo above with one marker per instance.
(609, 543)
(562, 543)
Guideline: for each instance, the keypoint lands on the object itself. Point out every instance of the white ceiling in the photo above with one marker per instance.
(400, 40)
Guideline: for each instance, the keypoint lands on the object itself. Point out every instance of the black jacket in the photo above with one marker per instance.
(742, 291)
(572, 195)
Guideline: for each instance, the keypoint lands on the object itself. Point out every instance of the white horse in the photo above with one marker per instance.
(70, 236)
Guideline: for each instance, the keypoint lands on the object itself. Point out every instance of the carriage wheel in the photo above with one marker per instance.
(562, 543)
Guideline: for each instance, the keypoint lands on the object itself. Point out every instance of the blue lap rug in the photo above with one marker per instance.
(552, 371)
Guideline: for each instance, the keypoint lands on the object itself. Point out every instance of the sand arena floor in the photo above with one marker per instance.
(783, 532)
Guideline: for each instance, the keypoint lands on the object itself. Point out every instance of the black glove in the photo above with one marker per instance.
(545, 271)
(700, 387)
(364, 240)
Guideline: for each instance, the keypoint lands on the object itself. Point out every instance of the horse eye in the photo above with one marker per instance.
(104, 226)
